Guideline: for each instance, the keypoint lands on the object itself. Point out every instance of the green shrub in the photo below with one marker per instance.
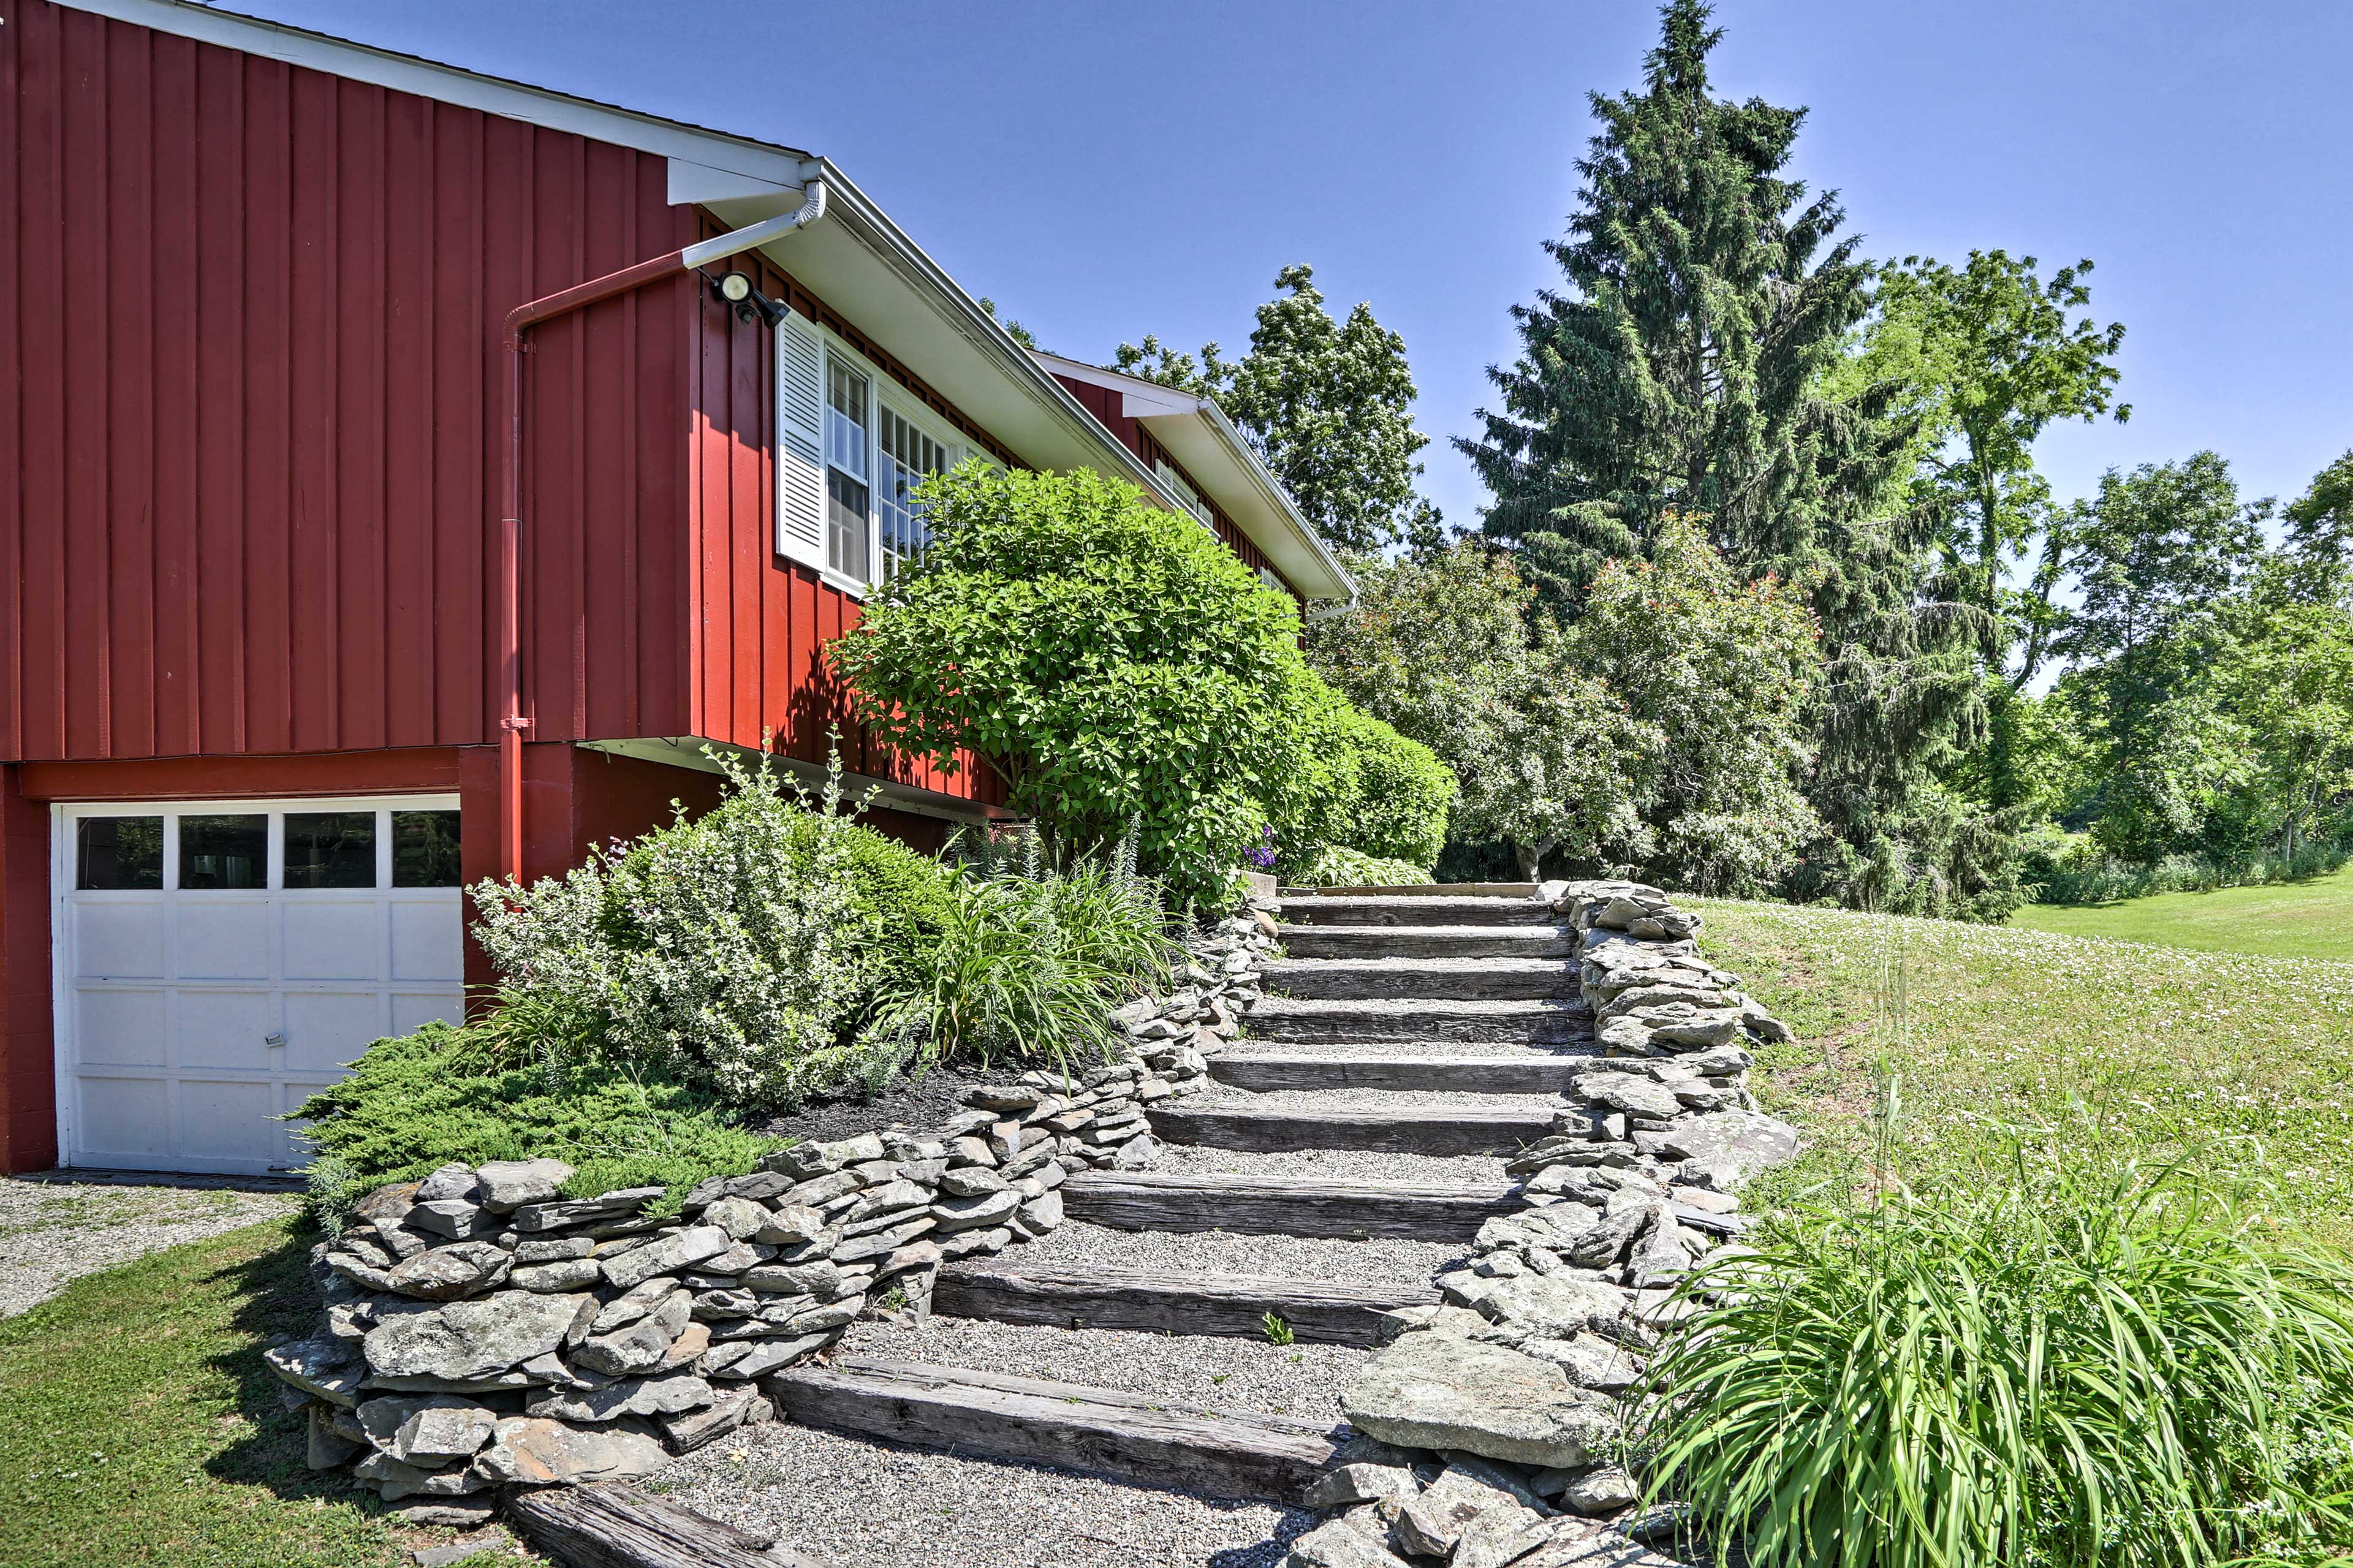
(471, 1094)
(1114, 660)
(2047, 1369)
(1399, 807)
(1332, 866)
(1032, 963)
(898, 895)
(728, 950)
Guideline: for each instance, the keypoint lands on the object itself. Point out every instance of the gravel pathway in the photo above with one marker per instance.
(1231, 1376)
(871, 1505)
(1217, 1253)
(55, 1231)
(1332, 1165)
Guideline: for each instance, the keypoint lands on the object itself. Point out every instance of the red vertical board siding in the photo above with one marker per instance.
(759, 623)
(249, 470)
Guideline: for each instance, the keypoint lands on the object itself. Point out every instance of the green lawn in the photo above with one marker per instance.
(2245, 1059)
(2291, 920)
(139, 1425)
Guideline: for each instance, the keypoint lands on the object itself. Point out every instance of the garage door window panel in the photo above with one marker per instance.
(119, 854)
(330, 848)
(223, 853)
(425, 849)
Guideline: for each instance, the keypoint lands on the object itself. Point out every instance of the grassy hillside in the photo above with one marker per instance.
(2293, 920)
(2245, 1059)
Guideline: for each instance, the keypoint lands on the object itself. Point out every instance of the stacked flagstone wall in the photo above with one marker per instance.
(1498, 1415)
(482, 1329)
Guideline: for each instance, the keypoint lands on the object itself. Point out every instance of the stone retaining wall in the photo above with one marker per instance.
(1497, 1417)
(480, 1331)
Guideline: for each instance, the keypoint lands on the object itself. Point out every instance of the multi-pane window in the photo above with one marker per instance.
(1186, 494)
(905, 459)
(847, 394)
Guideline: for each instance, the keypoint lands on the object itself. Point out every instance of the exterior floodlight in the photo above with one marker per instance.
(735, 287)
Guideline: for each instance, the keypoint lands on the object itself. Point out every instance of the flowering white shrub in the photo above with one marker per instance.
(722, 948)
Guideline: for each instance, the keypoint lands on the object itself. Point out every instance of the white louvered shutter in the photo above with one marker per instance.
(800, 441)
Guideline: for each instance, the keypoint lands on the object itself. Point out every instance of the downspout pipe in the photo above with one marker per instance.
(513, 724)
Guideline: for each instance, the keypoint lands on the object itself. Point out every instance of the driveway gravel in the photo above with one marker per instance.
(53, 1231)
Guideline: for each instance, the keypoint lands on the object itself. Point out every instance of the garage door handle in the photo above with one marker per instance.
(274, 1038)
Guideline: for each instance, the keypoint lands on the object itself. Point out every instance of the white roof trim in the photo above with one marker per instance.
(1265, 511)
(453, 84)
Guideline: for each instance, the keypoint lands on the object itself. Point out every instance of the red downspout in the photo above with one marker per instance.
(513, 724)
(521, 320)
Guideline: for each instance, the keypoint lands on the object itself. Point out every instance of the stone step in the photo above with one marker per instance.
(1410, 1129)
(1534, 1022)
(1463, 979)
(1129, 1436)
(1287, 1206)
(1234, 1306)
(1409, 909)
(1533, 1072)
(1306, 941)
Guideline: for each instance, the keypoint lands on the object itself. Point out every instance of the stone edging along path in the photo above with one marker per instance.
(481, 1331)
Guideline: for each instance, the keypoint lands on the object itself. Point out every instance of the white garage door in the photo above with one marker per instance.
(219, 960)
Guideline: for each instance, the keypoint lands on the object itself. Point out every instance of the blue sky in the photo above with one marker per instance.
(1104, 170)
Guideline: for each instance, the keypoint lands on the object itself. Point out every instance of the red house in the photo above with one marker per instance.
(403, 473)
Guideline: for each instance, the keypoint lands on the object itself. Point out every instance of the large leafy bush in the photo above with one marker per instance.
(730, 950)
(1116, 662)
(2038, 1368)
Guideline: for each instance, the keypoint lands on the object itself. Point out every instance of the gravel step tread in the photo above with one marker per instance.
(1525, 1021)
(1317, 1124)
(1386, 1260)
(1332, 1165)
(1486, 978)
(1172, 1302)
(1298, 1203)
(1138, 1438)
(1500, 1071)
(1215, 1375)
(1418, 890)
(1460, 941)
(918, 1509)
(1410, 909)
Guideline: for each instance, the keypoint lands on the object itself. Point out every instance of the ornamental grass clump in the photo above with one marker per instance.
(1032, 960)
(2045, 1367)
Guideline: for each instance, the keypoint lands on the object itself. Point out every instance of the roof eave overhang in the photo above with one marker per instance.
(1198, 434)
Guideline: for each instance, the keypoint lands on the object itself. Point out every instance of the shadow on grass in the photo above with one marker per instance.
(278, 1301)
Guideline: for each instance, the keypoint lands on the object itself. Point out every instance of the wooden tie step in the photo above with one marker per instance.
(1535, 1022)
(1452, 979)
(1410, 1129)
(1533, 1072)
(1233, 1305)
(1304, 941)
(1129, 1436)
(1409, 910)
(1287, 1206)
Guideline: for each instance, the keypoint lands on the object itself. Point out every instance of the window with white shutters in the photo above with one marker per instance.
(800, 450)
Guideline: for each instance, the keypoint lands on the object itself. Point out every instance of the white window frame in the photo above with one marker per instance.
(1186, 494)
(881, 394)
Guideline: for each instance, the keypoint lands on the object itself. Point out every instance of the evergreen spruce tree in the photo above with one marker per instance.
(1694, 366)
